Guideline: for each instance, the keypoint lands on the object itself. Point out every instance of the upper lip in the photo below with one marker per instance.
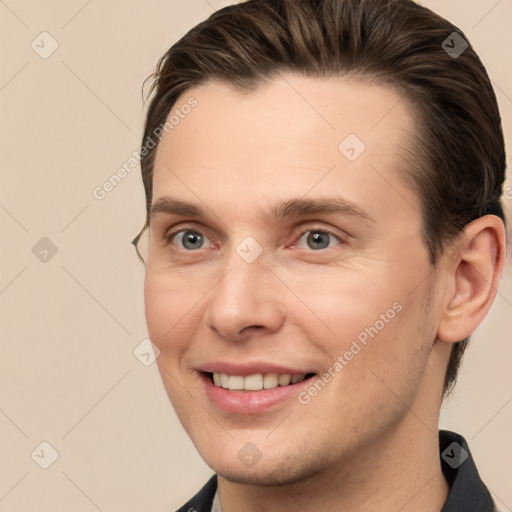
(245, 369)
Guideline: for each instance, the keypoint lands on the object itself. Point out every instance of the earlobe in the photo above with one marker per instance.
(480, 256)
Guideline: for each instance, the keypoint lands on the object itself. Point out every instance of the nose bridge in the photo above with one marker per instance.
(244, 296)
(243, 273)
(245, 265)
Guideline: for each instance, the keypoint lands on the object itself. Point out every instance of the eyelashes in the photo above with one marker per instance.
(190, 237)
(315, 239)
(318, 238)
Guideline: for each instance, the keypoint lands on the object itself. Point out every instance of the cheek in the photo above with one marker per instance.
(393, 355)
(172, 319)
(344, 303)
(371, 320)
(171, 309)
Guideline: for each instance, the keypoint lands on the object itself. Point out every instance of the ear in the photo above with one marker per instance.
(474, 269)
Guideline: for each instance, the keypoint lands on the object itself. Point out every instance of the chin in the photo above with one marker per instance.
(274, 468)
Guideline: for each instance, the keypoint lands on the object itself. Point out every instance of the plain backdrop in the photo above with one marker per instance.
(71, 287)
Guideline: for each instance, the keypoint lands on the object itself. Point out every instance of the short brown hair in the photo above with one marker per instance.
(460, 156)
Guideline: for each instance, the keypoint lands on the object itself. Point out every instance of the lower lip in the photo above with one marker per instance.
(250, 402)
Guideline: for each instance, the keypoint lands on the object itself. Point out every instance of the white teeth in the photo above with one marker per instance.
(236, 382)
(271, 380)
(255, 382)
(284, 380)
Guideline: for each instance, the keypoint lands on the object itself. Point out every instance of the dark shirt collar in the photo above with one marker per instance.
(467, 491)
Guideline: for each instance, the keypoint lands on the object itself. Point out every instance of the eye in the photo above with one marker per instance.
(318, 239)
(189, 239)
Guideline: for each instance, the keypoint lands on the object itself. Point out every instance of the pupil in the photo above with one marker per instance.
(192, 240)
(319, 240)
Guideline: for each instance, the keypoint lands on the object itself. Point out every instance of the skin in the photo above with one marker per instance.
(373, 428)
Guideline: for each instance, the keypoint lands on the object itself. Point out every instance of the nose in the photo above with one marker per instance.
(246, 301)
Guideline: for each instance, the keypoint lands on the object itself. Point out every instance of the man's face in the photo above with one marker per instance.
(301, 258)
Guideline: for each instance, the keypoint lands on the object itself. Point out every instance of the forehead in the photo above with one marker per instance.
(288, 137)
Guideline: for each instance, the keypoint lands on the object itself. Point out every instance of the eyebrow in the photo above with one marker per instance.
(283, 209)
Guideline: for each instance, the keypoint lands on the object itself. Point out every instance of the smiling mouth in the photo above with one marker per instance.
(256, 381)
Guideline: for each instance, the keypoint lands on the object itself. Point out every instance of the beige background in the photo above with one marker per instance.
(69, 325)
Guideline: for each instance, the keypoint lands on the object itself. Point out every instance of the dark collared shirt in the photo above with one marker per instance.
(467, 491)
